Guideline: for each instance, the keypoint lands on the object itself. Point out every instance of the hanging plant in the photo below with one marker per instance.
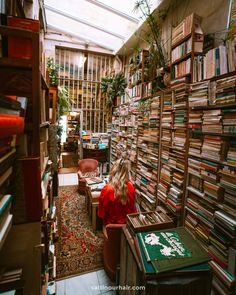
(113, 87)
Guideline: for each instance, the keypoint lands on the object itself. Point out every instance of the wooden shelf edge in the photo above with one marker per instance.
(16, 63)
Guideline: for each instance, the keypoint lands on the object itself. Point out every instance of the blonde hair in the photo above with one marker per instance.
(118, 178)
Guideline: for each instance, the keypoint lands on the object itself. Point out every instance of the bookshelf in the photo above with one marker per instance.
(210, 192)
(124, 135)
(187, 43)
(148, 152)
(32, 188)
(138, 74)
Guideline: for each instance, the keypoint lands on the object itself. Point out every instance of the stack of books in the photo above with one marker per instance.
(195, 145)
(5, 217)
(181, 90)
(194, 166)
(223, 281)
(229, 120)
(225, 90)
(166, 137)
(212, 121)
(198, 94)
(179, 139)
(212, 147)
(195, 121)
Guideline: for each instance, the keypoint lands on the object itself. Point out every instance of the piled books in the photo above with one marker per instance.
(175, 195)
(226, 224)
(212, 147)
(181, 90)
(225, 90)
(179, 139)
(166, 137)
(198, 94)
(194, 166)
(212, 121)
(229, 120)
(195, 145)
(195, 121)
(180, 119)
(223, 282)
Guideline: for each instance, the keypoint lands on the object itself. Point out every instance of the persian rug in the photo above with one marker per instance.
(78, 249)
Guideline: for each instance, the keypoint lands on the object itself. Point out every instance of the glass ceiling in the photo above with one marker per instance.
(106, 23)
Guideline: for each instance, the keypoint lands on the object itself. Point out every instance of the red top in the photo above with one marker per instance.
(111, 210)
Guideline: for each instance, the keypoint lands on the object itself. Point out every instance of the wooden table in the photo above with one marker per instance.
(91, 203)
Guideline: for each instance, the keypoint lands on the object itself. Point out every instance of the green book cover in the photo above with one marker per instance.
(171, 249)
(149, 269)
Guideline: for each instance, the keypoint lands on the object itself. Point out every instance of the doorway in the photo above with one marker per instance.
(71, 148)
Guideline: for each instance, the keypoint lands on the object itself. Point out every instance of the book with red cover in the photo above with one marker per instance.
(10, 125)
(32, 192)
(19, 47)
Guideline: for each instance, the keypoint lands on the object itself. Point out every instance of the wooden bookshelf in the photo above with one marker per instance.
(210, 187)
(187, 42)
(31, 168)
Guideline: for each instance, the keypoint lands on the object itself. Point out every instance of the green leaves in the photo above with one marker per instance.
(63, 101)
(113, 87)
(52, 69)
(157, 57)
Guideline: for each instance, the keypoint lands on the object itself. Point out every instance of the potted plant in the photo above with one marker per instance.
(157, 56)
(63, 106)
(112, 88)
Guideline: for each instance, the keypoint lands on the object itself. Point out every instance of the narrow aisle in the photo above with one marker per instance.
(93, 283)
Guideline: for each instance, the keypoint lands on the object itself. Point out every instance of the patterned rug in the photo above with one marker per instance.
(78, 249)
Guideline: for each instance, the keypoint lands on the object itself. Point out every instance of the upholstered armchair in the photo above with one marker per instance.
(87, 168)
(111, 249)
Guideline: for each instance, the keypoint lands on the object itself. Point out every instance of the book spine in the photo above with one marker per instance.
(4, 203)
(11, 125)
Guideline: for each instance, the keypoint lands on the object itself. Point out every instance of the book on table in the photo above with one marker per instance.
(94, 180)
(172, 249)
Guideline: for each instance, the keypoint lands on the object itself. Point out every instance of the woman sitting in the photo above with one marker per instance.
(117, 198)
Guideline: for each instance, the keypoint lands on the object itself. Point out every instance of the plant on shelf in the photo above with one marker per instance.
(157, 55)
(63, 101)
(113, 87)
(52, 69)
(63, 106)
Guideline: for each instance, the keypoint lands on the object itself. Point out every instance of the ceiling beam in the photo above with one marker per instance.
(113, 10)
(77, 19)
(79, 36)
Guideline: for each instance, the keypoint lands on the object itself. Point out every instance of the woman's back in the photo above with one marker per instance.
(113, 209)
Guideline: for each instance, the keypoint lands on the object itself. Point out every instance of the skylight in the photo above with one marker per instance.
(106, 23)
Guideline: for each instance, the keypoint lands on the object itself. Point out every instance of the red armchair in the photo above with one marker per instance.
(87, 168)
(111, 249)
